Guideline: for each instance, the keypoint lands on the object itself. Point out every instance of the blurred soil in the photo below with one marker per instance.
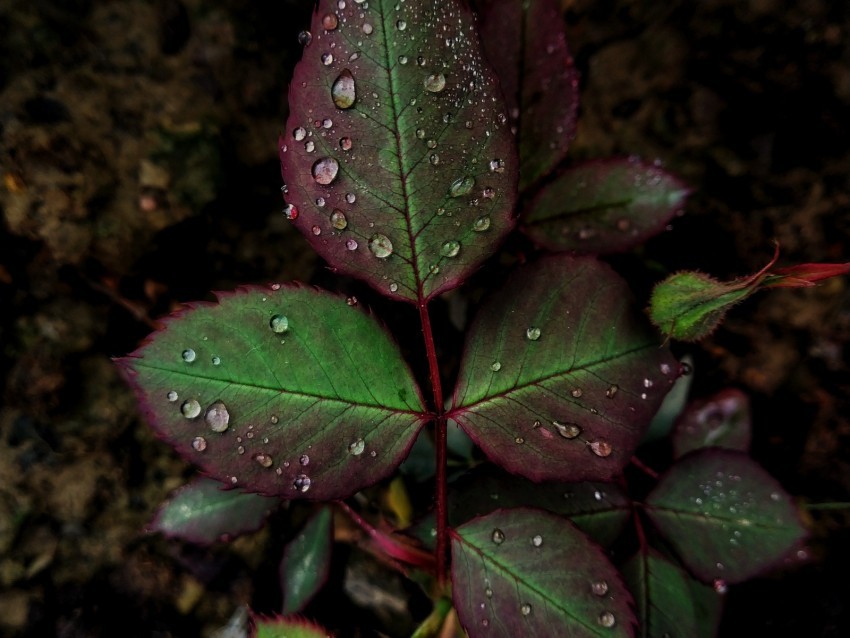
(139, 170)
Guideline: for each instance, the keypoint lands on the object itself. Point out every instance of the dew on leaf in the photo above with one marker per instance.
(279, 324)
(488, 592)
(567, 430)
(450, 248)
(325, 170)
(612, 391)
(356, 447)
(519, 440)
(393, 287)
(498, 536)
(720, 586)
(304, 459)
(481, 224)
(606, 619)
(264, 460)
(420, 134)
(351, 301)
(434, 159)
(274, 419)
(320, 202)
(345, 143)
(576, 393)
(327, 59)
(367, 28)
(402, 59)
(330, 22)
(299, 133)
(291, 212)
(327, 123)
(599, 588)
(537, 540)
(598, 496)
(338, 219)
(199, 444)
(488, 193)
(316, 230)
(462, 186)
(497, 165)
(525, 609)
(343, 90)
(401, 25)
(435, 82)
(350, 198)
(171, 396)
(305, 38)
(190, 409)
(532, 333)
(188, 355)
(217, 417)
(495, 366)
(601, 447)
(380, 246)
(302, 483)
(351, 244)
(309, 146)
(216, 361)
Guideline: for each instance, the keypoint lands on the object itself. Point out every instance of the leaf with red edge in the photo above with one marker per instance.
(398, 158)
(289, 627)
(306, 562)
(287, 391)
(526, 44)
(603, 207)
(205, 511)
(803, 275)
(525, 572)
(725, 516)
(561, 376)
(722, 420)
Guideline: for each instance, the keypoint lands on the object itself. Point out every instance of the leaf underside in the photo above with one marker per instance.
(725, 516)
(397, 153)
(560, 376)
(524, 572)
(603, 207)
(306, 562)
(285, 391)
(526, 44)
(722, 420)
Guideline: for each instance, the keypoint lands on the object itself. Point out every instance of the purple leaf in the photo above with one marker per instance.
(526, 44)
(205, 511)
(306, 562)
(603, 207)
(727, 518)
(722, 420)
(524, 572)
(287, 391)
(400, 163)
(560, 376)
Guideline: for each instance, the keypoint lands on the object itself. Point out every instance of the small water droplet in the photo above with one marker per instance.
(488, 193)
(537, 540)
(497, 165)
(435, 82)
(325, 170)
(402, 59)
(519, 440)
(327, 59)
(305, 38)
(401, 25)
(199, 444)
(320, 202)
(647, 383)
(350, 198)
(481, 224)
(274, 419)
(310, 146)
(525, 609)
(434, 159)
(217, 417)
(606, 619)
(599, 588)
(393, 287)
(264, 459)
(188, 355)
(343, 90)
(351, 244)
(291, 212)
(495, 366)
(299, 133)
(576, 392)
(316, 230)
(367, 28)
(345, 143)
(380, 246)
(598, 496)
(462, 186)
(434, 269)
(351, 301)
(450, 248)
(302, 483)
(171, 396)
(216, 361)
(338, 219)
(190, 409)
(327, 123)
(567, 430)
(720, 586)
(304, 459)
(330, 22)
(356, 447)
(532, 333)
(498, 536)
(279, 324)
(488, 592)
(601, 448)
(612, 391)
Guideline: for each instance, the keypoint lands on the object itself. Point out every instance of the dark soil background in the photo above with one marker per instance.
(139, 167)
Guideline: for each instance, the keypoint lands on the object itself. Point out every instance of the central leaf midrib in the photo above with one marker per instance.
(584, 210)
(716, 520)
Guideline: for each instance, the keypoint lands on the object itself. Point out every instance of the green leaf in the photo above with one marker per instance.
(560, 376)
(205, 511)
(525, 41)
(722, 420)
(724, 515)
(306, 562)
(398, 157)
(604, 206)
(285, 391)
(525, 572)
(286, 628)
(664, 598)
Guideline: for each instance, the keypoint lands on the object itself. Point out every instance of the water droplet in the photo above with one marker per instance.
(720, 586)
(495, 366)
(434, 269)
(647, 383)
(367, 28)
(421, 61)
(264, 459)
(274, 419)
(217, 417)
(327, 123)
(327, 59)
(420, 134)
(576, 392)
(304, 459)
(320, 202)
(488, 592)
(533, 334)
(216, 361)
(481, 224)
(330, 22)
(401, 24)
(567, 430)
(599, 588)
(601, 447)
(774, 496)
(190, 409)
(305, 38)
(402, 59)
(279, 324)
(525, 609)
(462, 186)
(325, 170)
(299, 133)
(380, 246)
(351, 301)
(450, 248)
(393, 287)
(612, 391)
(498, 536)
(598, 496)
(350, 198)
(345, 143)
(351, 244)
(171, 396)
(343, 91)
(338, 219)
(356, 447)
(497, 165)
(310, 146)
(291, 212)
(537, 540)
(488, 193)
(435, 82)
(519, 440)
(302, 483)
(188, 355)
(199, 444)
(606, 619)
(316, 230)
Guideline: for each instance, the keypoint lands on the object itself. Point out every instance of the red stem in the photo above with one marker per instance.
(440, 443)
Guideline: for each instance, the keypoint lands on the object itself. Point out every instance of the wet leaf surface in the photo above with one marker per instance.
(398, 157)
(722, 420)
(306, 562)
(561, 376)
(286, 391)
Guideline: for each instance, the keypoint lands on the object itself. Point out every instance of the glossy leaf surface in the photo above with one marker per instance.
(306, 562)
(561, 376)
(722, 420)
(603, 207)
(524, 572)
(397, 154)
(526, 44)
(724, 515)
(205, 511)
(286, 391)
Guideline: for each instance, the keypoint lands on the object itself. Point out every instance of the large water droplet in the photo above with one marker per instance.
(190, 409)
(325, 170)
(299, 133)
(532, 333)
(380, 246)
(264, 460)
(481, 224)
(450, 248)
(462, 186)
(330, 22)
(567, 430)
(302, 483)
(356, 447)
(343, 91)
(601, 447)
(279, 324)
(199, 444)
(188, 355)
(599, 588)
(305, 38)
(525, 609)
(435, 82)
(217, 417)
(291, 212)
(498, 536)
(338, 219)
(606, 619)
